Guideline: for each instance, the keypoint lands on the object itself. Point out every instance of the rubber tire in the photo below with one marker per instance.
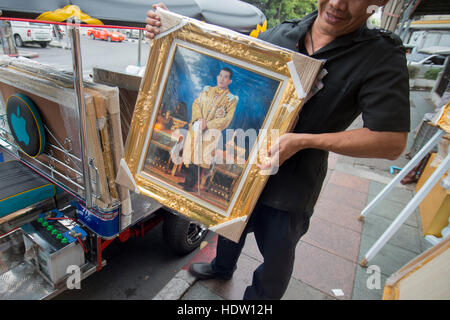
(109, 39)
(18, 41)
(43, 44)
(176, 230)
(92, 36)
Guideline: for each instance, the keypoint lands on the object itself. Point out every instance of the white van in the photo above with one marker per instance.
(31, 32)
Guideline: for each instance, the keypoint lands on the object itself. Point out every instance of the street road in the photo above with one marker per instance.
(94, 53)
(136, 269)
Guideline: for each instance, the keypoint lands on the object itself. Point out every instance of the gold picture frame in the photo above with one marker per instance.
(291, 77)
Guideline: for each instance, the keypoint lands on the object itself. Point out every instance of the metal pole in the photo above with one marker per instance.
(409, 166)
(139, 48)
(406, 31)
(79, 89)
(406, 212)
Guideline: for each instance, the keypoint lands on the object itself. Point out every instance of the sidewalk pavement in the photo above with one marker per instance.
(327, 257)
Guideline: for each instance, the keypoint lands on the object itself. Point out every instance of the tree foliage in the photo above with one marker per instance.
(432, 74)
(277, 11)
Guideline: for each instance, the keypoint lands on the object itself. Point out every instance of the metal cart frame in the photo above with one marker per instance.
(146, 214)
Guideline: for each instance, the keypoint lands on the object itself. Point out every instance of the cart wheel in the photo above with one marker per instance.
(183, 236)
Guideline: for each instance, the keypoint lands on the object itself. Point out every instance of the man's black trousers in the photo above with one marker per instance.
(277, 233)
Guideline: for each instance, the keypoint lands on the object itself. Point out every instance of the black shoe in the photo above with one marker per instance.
(204, 271)
(192, 188)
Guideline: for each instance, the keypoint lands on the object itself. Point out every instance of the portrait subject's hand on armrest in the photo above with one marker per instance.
(153, 22)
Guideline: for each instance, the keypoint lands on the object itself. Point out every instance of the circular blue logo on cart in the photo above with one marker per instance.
(25, 124)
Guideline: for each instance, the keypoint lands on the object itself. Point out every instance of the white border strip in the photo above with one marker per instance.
(123, 165)
(227, 223)
(296, 79)
(173, 29)
(187, 195)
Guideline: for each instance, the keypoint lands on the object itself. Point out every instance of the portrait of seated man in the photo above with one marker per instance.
(212, 111)
(206, 108)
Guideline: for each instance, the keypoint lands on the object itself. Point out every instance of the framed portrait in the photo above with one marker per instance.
(210, 104)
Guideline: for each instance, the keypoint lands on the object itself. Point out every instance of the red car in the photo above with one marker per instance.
(105, 34)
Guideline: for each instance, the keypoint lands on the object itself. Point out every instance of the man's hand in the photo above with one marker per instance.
(285, 147)
(153, 22)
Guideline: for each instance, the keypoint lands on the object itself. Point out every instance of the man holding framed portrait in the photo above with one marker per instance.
(366, 74)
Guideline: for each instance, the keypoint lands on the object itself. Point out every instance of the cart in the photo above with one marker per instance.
(62, 211)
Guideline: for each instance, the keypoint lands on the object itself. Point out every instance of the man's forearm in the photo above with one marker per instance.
(360, 143)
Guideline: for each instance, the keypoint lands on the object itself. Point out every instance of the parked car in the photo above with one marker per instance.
(425, 61)
(105, 34)
(31, 32)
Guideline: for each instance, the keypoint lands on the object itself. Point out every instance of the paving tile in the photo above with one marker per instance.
(339, 214)
(398, 194)
(200, 292)
(333, 238)
(391, 209)
(234, 289)
(323, 271)
(390, 258)
(345, 196)
(424, 244)
(298, 290)
(406, 237)
(251, 248)
(332, 160)
(350, 181)
(367, 287)
(327, 178)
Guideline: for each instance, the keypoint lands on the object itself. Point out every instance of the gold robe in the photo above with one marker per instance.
(217, 107)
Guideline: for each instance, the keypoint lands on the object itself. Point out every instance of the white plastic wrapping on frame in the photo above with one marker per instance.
(55, 98)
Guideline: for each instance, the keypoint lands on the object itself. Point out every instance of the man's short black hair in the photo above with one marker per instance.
(227, 70)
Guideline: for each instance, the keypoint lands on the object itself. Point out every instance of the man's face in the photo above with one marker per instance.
(340, 17)
(223, 79)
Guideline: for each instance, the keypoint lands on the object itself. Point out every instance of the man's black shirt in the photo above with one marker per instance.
(367, 74)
